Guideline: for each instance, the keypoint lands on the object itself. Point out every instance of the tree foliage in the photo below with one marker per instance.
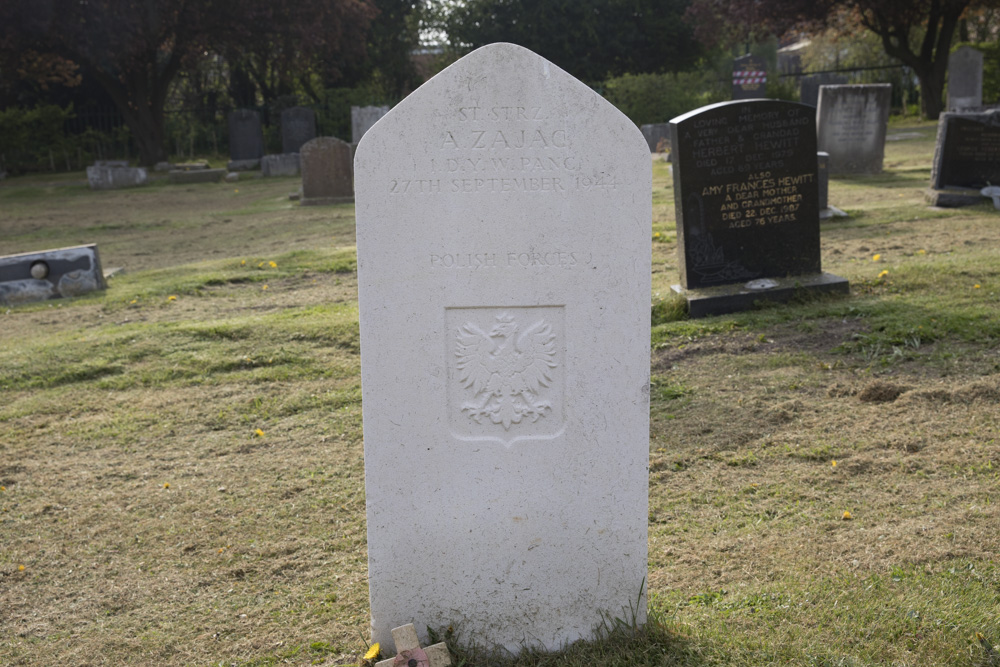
(592, 39)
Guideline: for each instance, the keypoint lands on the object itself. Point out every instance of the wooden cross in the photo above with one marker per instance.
(411, 655)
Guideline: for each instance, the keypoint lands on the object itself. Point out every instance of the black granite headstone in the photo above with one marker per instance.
(967, 154)
(298, 125)
(747, 203)
(749, 78)
(246, 140)
(50, 274)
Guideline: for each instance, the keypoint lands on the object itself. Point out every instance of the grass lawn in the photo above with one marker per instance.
(181, 460)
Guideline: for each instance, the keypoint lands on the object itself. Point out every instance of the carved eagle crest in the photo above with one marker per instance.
(506, 369)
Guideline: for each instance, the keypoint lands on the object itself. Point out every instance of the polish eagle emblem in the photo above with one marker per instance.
(506, 369)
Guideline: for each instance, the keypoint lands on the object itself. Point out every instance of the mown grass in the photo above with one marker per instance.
(182, 482)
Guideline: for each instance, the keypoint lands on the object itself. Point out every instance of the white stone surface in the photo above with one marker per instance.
(503, 214)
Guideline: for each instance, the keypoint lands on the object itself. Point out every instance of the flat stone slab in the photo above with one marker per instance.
(180, 177)
(243, 165)
(114, 177)
(953, 198)
(737, 297)
(50, 274)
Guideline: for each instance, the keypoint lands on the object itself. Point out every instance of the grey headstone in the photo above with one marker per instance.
(362, 118)
(298, 125)
(747, 204)
(327, 172)
(851, 124)
(114, 177)
(809, 86)
(967, 153)
(281, 164)
(49, 274)
(749, 78)
(656, 133)
(965, 79)
(246, 139)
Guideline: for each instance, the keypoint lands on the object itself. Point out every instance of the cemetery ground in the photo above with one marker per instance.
(181, 472)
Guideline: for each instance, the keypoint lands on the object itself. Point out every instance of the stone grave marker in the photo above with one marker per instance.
(246, 140)
(657, 136)
(201, 175)
(362, 118)
(281, 164)
(809, 86)
(745, 192)
(50, 274)
(966, 157)
(298, 125)
(851, 124)
(503, 220)
(112, 175)
(749, 78)
(327, 172)
(965, 79)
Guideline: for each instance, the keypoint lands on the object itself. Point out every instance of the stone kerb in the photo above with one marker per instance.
(112, 175)
(327, 172)
(851, 124)
(503, 212)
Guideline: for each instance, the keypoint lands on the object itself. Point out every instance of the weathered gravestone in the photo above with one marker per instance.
(503, 214)
(851, 123)
(50, 274)
(966, 157)
(965, 79)
(112, 175)
(327, 172)
(809, 86)
(745, 192)
(298, 125)
(281, 164)
(749, 78)
(246, 140)
(362, 118)
(657, 136)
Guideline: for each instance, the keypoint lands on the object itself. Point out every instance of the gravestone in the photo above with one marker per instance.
(362, 118)
(749, 78)
(298, 125)
(657, 136)
(246, 140)
(189, 176)
(851, 126)
(966, 157)
(50, 274)
(281, 164)
(106, 175)
(327, 172)
(746, 199)
(503, 222)
(965, 79)
(809, 86)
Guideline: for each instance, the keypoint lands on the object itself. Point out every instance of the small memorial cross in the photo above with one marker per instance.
(411, 655)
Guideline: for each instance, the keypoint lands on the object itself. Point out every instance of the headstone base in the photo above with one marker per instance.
(181, 177)
(953, 197)
(325, 201)
(243, 165)
(723, 299)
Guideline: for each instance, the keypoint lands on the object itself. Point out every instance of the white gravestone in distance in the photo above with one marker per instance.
(503, 214)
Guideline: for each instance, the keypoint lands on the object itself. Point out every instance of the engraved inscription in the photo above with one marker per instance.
(506, 370)
(502, 260)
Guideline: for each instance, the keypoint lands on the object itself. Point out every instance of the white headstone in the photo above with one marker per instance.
(503, 214)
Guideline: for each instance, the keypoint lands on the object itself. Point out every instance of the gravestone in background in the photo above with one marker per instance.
(114, 174)
(327, 172)
(851, 123)
(362, 118)
(298, 125)
(966, 157)
(657, 136)
(246, 139)
(965, 79)
(749, 78)
(50, 274)
(503, 213)
(279, 164)
(809, 86)
(746, 198)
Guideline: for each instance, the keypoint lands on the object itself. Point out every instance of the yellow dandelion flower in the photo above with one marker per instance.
(20, 568)
(921, 252)
(3, 488)
(237, 190)
(656, 235)
(264, 287)
(273, 264)
(133, 301)
(883, 274)
(876, 258)
(172, 297)
(833, 464)
(259, 433)
(261, 265)
(373, 652)
(243, 263)
(976, 286)
(847, 516)
(166, 485)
